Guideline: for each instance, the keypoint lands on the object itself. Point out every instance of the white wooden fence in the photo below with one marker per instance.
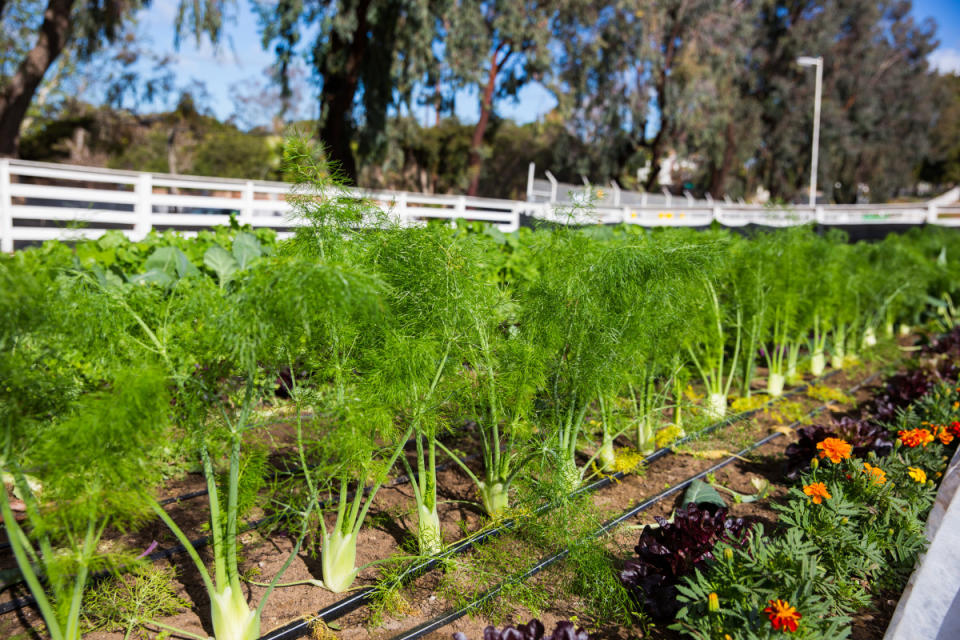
(40, 201)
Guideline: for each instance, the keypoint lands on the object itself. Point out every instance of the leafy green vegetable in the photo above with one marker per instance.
(702, 493)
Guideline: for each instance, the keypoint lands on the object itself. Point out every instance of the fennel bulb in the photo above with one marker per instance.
(606, 456)
(775, 383)
(231, 615)
(817, 363)
(717, 405)
(338, 560)
(428, 530)
(495, 498)
(646, 441)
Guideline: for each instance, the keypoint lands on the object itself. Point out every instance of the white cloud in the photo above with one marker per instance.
(946, 60)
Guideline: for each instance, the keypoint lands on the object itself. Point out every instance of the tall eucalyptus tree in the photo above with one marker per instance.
(366, 54)
(497, 47)
(643, 75)
(38, 32)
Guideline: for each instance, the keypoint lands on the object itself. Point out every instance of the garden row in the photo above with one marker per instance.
(821, 551)
(387, 350)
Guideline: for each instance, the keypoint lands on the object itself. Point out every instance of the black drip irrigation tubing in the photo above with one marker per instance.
(301, 627)
(399, 480)
(455, 614)
(363, 596)
(199, 543)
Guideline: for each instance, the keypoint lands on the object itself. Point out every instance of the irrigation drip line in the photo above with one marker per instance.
(363, 596)
(301, 627)
(199, 543)
(399, 480)
(455, 614)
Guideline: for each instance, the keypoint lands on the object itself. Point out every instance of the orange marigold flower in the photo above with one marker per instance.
(878, 475)
(954, 429)
(915, 437)
(782, 615)
(836, 449)
(817, 491)
(944, 436)
(917, 474)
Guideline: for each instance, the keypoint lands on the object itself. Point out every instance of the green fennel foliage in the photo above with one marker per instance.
(598, 309)
(89, 470)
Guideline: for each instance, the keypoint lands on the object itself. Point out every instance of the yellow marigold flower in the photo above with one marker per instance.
(836, 449)
(817, 491)
(915, 437)
(878, 475)
(917, 474)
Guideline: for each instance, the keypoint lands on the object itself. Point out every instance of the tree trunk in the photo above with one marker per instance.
(718, 181)
(486, 107)
(659, 140)
(340, 83)
(16, 97)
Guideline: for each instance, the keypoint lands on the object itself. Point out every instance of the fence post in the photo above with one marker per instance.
(461, 208)
(246, 205)
(553, 186)
(931, 213)
(143, 209)
(6, 208)
(819, 214)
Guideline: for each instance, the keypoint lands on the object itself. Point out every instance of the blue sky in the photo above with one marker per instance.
(240, 60)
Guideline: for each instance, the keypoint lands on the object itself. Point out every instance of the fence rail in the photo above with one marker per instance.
(41, 201)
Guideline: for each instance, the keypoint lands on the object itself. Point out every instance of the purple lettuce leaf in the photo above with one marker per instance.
(533, 630)
(675, 549)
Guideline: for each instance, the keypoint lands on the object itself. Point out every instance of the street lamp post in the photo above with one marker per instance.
(807, 61)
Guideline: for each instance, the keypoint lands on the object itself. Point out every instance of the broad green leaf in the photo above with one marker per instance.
(106, 277)
(153, 276)
(246, 249)
(171, 261)
(218, 260)
(112, 239)
(699, 492)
